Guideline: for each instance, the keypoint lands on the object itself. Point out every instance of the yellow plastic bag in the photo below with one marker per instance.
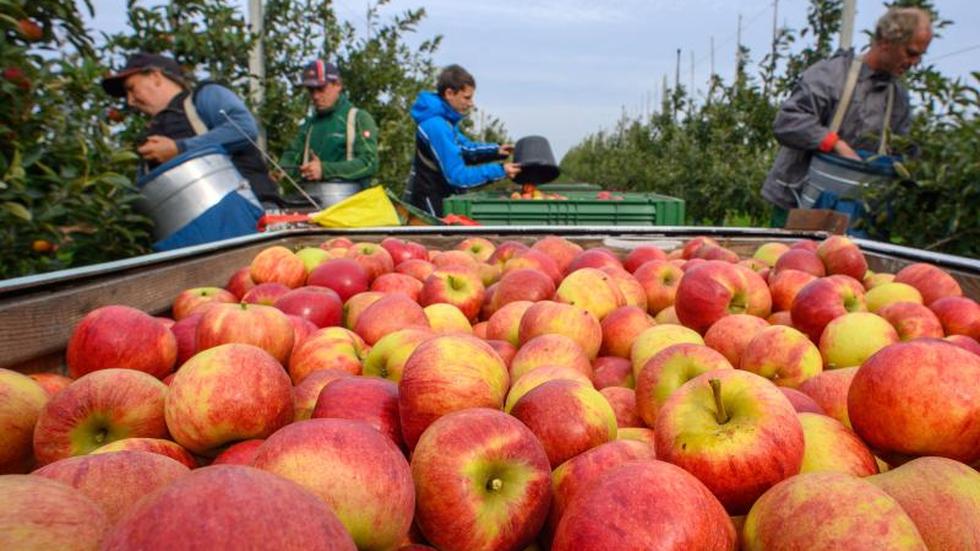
(368, 208)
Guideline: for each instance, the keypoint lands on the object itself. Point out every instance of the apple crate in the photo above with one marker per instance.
(581, 208)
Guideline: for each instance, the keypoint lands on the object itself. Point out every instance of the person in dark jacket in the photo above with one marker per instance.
(803, 123)
(446, 161)
(337, 142)
(183, 119)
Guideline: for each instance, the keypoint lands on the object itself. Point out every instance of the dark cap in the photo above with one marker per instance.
(318, 73)
(114, 84)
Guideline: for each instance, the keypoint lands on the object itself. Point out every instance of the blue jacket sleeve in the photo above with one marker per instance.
(209, 101)
(477, 152)
(449, 153)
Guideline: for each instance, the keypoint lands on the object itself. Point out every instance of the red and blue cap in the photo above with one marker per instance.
(318, 73)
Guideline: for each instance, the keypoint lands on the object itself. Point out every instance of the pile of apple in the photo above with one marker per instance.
(505, 397)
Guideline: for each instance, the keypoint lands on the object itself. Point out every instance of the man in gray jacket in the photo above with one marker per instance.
(803, 123)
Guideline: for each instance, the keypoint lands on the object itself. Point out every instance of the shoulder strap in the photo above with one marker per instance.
(845, 98)
(886, 129)
(351, 132)
(192, 117)
(306, 144)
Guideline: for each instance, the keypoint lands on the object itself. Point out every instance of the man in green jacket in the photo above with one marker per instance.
(338, 142)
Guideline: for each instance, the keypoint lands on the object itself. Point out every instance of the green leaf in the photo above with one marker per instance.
(18, 210)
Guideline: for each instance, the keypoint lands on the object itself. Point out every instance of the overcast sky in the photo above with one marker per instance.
(565, 69)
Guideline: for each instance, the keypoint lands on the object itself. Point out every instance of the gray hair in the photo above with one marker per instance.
(898, 25)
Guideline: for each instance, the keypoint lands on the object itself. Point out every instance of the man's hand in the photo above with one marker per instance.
(158, 149)
(512, 170)
(841, 148)
(312, 170)
(505, 149)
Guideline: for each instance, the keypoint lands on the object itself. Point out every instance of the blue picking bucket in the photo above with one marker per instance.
(845, 178)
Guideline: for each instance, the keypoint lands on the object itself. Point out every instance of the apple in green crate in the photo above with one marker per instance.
(942, 496)
(716, 289)
(37, 513)
(538, 376)
(119, 336)
(653, 340)
(783, 355)
(784, 287)
(830, 446)
(159, 446)
(572, 321)
(912, 320)
(549, 349)
(959, 315)
(265, 294)
(504, 324)
(621, 327)
(360, 473)
(240, 282)
(919, 398)
(372, 257)
(522, 285)
(386, 315)
(482, 481)
(828, 511)
(402, 250)
(394, 282)
(116, 480)
(277, 264)
(568, 417)
(345, 276)
(262, 326)
(734, 431)
(931, 281)
(592, 289)
(448, 373)
(239, 453)
(561, 250)
(770, 252)
(306, 392)
(849, 340)
(416, 268)
(99, 408)
(659, 279)
(644, 505)
(446, 318)
(368, 399)
(667, 370)
(279, 513)
(20, 406)
(842, 256)
(885, 294)
(829, 389)
(824, 299)
(189, 300)
(480, 248)
(731, 334)
(225, 394)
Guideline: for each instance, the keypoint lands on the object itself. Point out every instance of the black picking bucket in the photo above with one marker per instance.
(537, 161)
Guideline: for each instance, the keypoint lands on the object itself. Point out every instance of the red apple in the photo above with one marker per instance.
(159, 446)
(800, 260)
(457, 286)
(457, 259)
(387, 315)
(807, 244)
(715, 252)
(398, 283)
(932, 282)
(731, 334)
(687, 251)
(307, 391)
(481, 482)
(21, 405)
(642, 254)
(302, 328)
(549, 349)
(801, 402)
(448, 373)
(117, 480)
(633, 293)
(504, 349)
(263, 326)
(623, 402)
(356, 305)
(782, 317)
(240, 453)
(522, 285)
(190, 299)
(279, 514)
(416, 268)
(228, 393)
(824, 299)
(320, 305)
(387, 357)
(964, 342)
(480, 248)
(644, 505)
(912, 320)
(612, 371)
(504, 324)
(265, 294)
(120, 337)
(185, 331)
(620, 328)
(959, 315)
(770, 252)
(337, 243)
(372, 257)
(327, 348)
(561, 250)
(592, 289)
(653, 340)
(505, 251)
(829, 389)
(783, 355)
(596, 257)
(533, 260)
(101, 407)
(784, 287)
(240, 282)
(532, 379)
(368, 399)
(895, 397)
(667, 370)
(717, 289)
(402, 250)
(353, 468)
(830, 446)
(345, 276)
(39, 513)
(277, 264)
(738, 435)
(569, 320)
(52, 383)
(842, 256)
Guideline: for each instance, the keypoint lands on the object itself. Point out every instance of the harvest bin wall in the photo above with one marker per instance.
(581, 208)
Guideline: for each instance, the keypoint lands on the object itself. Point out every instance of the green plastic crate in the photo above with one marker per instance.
(581, 208)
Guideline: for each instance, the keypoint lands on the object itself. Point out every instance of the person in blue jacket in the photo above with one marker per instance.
(446, 161)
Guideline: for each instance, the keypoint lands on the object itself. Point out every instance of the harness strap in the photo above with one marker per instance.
(193, 117)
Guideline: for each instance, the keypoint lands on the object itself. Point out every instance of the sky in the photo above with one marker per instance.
(565, 69)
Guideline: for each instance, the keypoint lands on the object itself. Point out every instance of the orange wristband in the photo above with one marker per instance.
(828, 143)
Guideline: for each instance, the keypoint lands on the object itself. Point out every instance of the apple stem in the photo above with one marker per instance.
(495, 485)
(100, 436)
(720, 414)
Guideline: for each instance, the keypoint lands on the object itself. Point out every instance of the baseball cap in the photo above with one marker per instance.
(114, 84)
(319, 73)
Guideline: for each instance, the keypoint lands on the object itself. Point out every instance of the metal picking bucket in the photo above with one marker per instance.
(331, 193)
(846, 178)
(183, 188)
